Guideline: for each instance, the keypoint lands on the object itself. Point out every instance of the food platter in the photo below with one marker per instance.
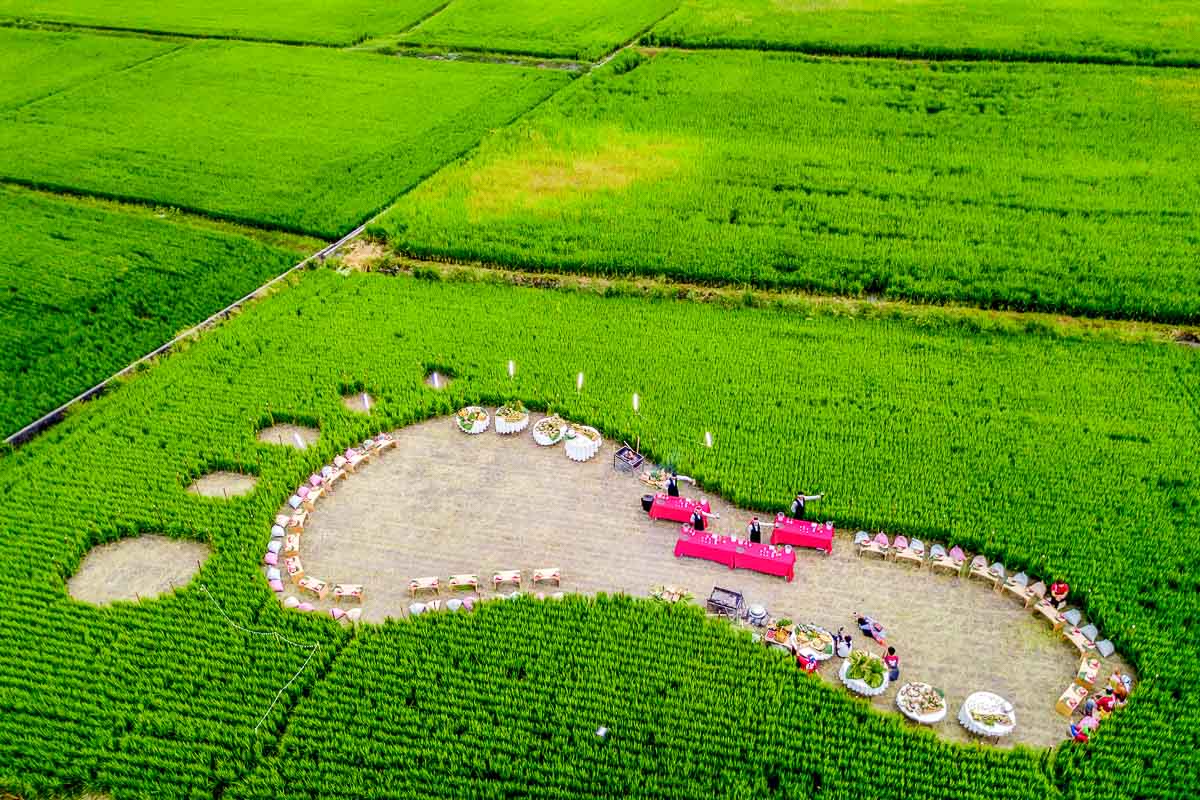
(921, 703)
(512, 418)
(987, 714)
(472, 419)
(860, 685)
(549, 431)
(812, 640)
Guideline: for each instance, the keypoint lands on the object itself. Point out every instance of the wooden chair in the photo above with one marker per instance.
(898, 544)
(291, 544)
(348, 591)
(430, 584)
(464, 581)
(1105, 648)
(384, 441)
(979, 568)
(512, 576)
(314, 586)
(548, 575)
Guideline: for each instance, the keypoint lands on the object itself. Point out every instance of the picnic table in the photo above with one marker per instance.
(708, 546)
(677, 509)
(802, 533)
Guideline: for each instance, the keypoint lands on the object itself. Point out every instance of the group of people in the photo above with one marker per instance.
(843, 644)
(1096, 709)
(699, 519)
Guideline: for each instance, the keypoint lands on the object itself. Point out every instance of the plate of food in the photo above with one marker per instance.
(921, 702)
(583, 442)
(512, 418)
(816, 640)
(549, 431)
(472, 419)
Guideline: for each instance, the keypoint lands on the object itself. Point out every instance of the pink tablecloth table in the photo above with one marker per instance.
(708, 546)
(802, 533)
(766, 559)
(678, 509)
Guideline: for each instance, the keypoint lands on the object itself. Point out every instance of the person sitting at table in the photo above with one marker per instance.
(1089, 707)
(1106, 703)
(1120, 686)
(892, 662)
(798, 503)
(871, 628)
(1078, 732)
(1058, 593)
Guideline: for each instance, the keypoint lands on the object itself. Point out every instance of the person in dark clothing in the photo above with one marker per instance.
(754, 530)
(798, 503)
(892, 662)
(673, 485)
(698, 521)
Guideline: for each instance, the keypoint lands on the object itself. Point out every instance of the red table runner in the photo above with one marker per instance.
(740, 555)
(802, 533)
(708, 546)
(678, 509)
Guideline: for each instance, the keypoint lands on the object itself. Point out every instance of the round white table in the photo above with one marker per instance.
(987, 703)
(928, 718)
(859, 686)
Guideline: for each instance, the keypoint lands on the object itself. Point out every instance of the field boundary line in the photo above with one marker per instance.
(52, 418)
(26, 23)
(868, 53)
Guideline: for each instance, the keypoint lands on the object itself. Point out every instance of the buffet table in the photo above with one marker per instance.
(677, 509)
(802, 533)
(735, 554)
(921, 703)
(708, 546)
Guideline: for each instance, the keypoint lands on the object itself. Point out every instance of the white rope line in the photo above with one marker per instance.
(312, 651)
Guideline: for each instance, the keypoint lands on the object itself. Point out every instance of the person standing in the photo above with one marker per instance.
(842, 644)
(673, 484)
(892, 662)
(754, 530)
(698, 521)
(798, 503)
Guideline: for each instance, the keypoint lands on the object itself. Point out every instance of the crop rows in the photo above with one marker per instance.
(336, 22)
(993, 185)
(456, 706)
(304, 139)
(1089, 31)
(85, 290)
(1067, 456)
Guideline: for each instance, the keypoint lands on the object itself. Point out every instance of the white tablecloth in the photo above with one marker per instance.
(987, 702)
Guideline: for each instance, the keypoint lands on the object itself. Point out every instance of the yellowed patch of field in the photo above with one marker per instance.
(545, 175)
(1181, 92)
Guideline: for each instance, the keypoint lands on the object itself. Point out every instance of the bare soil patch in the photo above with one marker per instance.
(443, 503)
(359, 402)
(363, 255)
(223, 484)
(138, 568)
(288, 435)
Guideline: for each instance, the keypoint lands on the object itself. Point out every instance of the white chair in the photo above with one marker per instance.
(1105, 648)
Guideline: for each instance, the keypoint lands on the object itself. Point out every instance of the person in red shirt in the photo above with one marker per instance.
(1059, 591)
(892, 662)
(1107, 702)
(1079, 733)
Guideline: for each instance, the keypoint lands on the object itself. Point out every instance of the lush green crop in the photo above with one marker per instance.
(583, 29)
(1104, 31)
(84, 290)
(324, 22)
(1072, 457)
(35, 65)
(1003, 186)
(306, 139)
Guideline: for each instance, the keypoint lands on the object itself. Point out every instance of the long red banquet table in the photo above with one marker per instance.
(735, 555)
(802, 533)
(678, 509)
